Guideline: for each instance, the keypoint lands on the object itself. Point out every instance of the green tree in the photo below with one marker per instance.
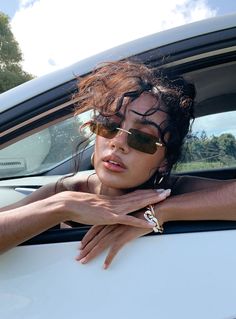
(227, 145)
(213, 149)
(11, 73)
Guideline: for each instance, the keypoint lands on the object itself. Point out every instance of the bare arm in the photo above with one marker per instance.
(42, 193)
(22, 223)
(201, 199)
(188, 184)
(198, 199)
(72, 183)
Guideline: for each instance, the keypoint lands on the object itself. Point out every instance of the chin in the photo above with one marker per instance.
(118, 182)
(112, 183)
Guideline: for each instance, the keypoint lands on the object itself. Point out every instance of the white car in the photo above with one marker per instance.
(189, 271)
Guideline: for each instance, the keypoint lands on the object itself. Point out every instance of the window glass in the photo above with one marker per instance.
(46, 149)
(211, 144)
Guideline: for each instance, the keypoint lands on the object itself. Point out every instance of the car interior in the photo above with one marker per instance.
(209, 62)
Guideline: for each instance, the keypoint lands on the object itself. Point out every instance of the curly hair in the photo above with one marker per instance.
(115, 84)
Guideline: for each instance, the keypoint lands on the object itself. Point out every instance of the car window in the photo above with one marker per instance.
(211, 143)
(45, 149)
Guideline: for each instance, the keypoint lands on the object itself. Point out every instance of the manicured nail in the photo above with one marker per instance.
(78, 257)
(167, 192)
(159, 190)
(83, 260)
(105, 266)
(152, 223)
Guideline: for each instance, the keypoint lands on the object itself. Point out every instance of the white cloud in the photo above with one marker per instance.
(26, 3)
(53, 34)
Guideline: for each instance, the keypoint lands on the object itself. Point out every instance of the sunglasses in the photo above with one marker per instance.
(140, 141)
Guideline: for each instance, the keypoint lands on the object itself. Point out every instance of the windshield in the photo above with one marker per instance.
(46, 149)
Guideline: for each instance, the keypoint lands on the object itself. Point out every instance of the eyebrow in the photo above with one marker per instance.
(144, 121)
(147, 122)
(141, 120)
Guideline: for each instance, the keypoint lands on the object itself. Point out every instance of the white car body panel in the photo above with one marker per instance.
(155, 276)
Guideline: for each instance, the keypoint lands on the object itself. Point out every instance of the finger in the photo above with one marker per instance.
(91, 233)
(112, 253)
(95, 240)
(133, 203)
(120, 243)
(132, 195)
(133, 221)
(101, 246)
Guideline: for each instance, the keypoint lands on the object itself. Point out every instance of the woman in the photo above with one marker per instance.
(141, 123)
(140, 120)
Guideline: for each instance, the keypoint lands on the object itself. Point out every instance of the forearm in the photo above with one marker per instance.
(41, 193)
(20, 224)
(215, 203)
(188, 184)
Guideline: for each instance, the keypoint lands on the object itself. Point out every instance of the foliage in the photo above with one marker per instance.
(203, 152)
(11, 73)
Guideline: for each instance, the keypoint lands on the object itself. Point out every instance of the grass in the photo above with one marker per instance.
(195, 166)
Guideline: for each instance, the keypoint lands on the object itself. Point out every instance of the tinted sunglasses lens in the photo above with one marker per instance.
(141, 141)
(107, 131)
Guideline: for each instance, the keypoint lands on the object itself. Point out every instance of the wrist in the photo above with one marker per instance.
(150, 216)
(57, 209)
(160, 213)
(165, 210)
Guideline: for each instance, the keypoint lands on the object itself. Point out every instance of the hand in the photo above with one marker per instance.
(99, 238)
(95, 209)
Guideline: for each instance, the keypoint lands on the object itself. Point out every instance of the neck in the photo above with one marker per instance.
(109, 191)
(96, 187)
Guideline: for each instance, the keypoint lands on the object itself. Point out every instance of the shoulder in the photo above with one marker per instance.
(79, 181)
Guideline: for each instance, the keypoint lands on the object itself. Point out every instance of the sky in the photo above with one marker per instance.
(55, 33)
(216, 124)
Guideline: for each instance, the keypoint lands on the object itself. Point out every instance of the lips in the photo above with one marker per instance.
(114, 160)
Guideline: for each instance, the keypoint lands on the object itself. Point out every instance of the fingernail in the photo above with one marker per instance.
(83, 260)
(167, 192)
(105, 266)
(78, 257)
(159, 190)
(152, 223)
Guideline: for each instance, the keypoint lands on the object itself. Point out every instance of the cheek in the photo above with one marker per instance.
(155, 160)
(100, 145)
(144, 168)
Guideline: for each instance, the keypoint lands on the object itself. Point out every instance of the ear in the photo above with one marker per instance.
(163, 168)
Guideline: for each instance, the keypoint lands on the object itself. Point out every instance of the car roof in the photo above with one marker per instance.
(44, 83)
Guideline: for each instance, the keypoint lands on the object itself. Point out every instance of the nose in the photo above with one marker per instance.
(119, 141)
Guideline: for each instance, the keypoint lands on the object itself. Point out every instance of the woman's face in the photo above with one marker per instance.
(118, 166)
